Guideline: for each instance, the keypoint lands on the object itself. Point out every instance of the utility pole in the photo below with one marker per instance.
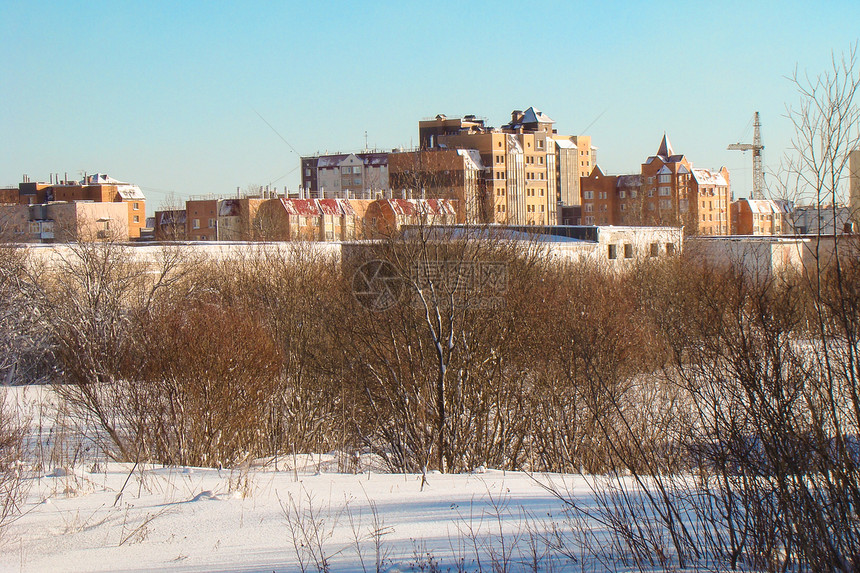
(756, 147)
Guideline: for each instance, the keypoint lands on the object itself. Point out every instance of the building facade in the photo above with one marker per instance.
(529, 169)
(345, 175)
(96, 188)
(64, 222)
(762, 217)
(454, 174)
(667, 191)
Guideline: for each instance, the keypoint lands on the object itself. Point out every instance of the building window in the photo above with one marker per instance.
(622, 194)
(588, 194)
(613, 252)
(34, 228)
(665, 204)
(211, 223)
(136, 219)
(670, 248)
(195, 224)
(628, 251)
(135, 206)
(589, 207)
(655, 249)
(665, 191)
(665, 178)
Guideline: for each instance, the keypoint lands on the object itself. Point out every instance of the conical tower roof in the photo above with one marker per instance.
(665, 147)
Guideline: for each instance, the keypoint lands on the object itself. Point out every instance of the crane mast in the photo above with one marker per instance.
(756, 147)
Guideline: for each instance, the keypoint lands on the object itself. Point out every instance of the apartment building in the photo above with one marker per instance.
(713, 201)
(667, 191)
(761, 217)
(345, 175)
(96, 188)
(822, 220)
(575, 159)
(201, 219)
(387, 216)
(528, 167)
(64, 222)
(454, 174)
(170, 225)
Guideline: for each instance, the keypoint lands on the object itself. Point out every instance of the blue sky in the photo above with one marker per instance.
(167, 94)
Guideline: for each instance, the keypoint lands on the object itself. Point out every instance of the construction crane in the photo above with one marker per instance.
(756, 148)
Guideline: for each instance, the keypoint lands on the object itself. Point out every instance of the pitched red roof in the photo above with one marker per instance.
(302, 207)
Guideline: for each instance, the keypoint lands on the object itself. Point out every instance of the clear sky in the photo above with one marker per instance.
(170, 95)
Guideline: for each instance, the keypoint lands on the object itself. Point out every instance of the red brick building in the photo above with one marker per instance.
(668, 191)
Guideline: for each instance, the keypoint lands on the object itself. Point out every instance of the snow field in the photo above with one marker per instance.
(93, 515)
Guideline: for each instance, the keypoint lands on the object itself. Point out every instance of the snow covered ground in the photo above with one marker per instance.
(98, 516)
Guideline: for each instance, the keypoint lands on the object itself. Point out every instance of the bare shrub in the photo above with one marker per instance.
(439, 390)
(198, 395)
(13, 474)
(293, 292)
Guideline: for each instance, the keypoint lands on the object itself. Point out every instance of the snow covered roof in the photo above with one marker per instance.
(367, 159)
(437, 207)
(769, 206)
(412, 207)
(177, 217)
(330, 160)
(303, 207)
(709, 177)
(374, 159)
(100, 178)
(130, 192)
(345, 206)
(564, 144)
(628, 181)
(329, 207)
(229, 208)
(534, 115)
(473, 158)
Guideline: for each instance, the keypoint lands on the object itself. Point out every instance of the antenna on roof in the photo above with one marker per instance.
(365, 140)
